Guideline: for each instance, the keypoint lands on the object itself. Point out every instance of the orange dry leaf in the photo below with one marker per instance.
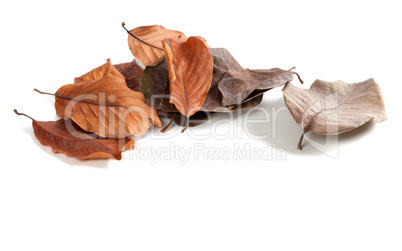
(190, 68)
(101, 102)
(145, 42)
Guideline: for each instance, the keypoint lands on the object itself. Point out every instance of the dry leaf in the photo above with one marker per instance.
(331, 108)
(132, 73)
(64, 136)
(154, 85)
(238, 86)
(99, 72)
(145, 42)
(101, 102)
(190, 68)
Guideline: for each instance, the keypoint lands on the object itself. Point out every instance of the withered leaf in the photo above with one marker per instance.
(145, 42)
(331, 108)
(155, 78)
(180, 120)
(64, 136)
(101, 102)
(132, 73)
(99, 73)
(224, 62)
(154, 84)
(238, 86)
(190, 68)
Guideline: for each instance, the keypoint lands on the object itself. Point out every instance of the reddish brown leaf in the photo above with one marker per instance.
(132, 73)
(64, 136)
(101, 102)
(145, 42)
(190, 68)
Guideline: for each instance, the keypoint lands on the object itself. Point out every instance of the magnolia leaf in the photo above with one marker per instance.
(132, 73)
(105, 105)
(331, 108)
(145, 42)
(64, 136)
(190, 68)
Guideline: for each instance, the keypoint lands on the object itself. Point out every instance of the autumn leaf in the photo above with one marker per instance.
(238, 86)
(155, 78)
(99, 73)
(190, 68)
(64, 136)
(101, 102)
(154, 84)
(145, 42)
(132, 73)
(331, 108)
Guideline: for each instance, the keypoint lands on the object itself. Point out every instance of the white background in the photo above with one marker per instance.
(309, 201)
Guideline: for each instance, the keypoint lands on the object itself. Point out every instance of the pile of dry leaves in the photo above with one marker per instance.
(187, 81)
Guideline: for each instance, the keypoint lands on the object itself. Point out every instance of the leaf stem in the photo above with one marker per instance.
(22, 114)
(299, 145)
(298, 76)
(139, 39)
(47, 93)
(168, 125)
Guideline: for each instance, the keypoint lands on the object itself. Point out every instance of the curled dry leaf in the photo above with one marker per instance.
(101, 102)
(154, 84)
(224, 62)
(331, 108)
(64, 136)
(145, 42)
(132, 73)
(190, 68)
(238, 86)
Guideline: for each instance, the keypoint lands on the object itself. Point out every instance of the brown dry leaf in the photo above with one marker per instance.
(145, 42)
(101, 102)
(99, 72)
(132, 73)
(331, 108)
(154, 84)
(190, 68)
(64, 136)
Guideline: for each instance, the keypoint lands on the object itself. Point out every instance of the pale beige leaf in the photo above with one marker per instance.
(331, 108)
